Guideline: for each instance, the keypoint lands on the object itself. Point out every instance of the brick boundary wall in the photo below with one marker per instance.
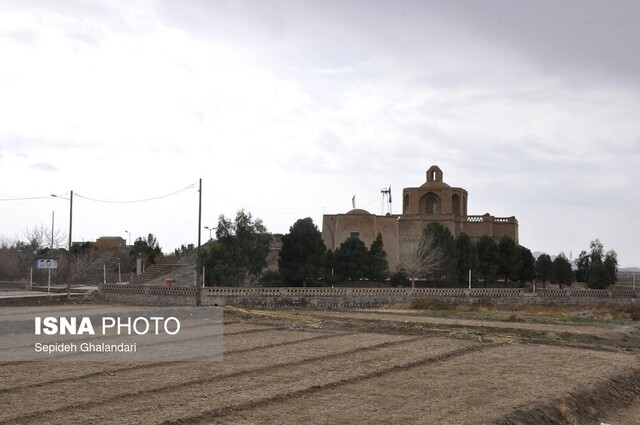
(13, 286)
(359, 297)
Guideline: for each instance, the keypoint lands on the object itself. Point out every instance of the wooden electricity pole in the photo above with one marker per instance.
(70, 229)
(198, 288)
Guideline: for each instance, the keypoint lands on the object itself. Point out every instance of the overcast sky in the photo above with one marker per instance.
(289, 108)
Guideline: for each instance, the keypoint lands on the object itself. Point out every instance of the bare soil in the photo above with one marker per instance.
(355, 366)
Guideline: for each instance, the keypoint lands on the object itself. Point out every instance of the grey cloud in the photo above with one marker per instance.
(17, 144)
(44, 166)
(84, 21)
(14, 144)
(585, 36)
(231, 20)
(287, 35)
(28, 38)
(91, 37)
(329, 141)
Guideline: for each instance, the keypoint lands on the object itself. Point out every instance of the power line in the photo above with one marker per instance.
(25, 198)
(29, 198)
(191, 186)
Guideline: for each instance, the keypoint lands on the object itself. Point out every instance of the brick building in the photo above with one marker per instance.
(111, 242)
(433, 201)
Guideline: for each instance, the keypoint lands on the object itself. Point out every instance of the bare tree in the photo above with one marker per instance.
(88, 264)
(419, 256)
(16, 257)
(9, 260)
(41, 237)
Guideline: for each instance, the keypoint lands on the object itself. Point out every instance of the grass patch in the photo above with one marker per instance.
(430, 303)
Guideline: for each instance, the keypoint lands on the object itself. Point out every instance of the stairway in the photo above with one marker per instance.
(160, 269)
(153, 272)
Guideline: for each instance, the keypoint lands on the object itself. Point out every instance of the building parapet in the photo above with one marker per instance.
(489, 219)
(431, 217)
(475, 218)
(486, 218)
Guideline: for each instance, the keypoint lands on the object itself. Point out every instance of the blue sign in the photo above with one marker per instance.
(46, 263)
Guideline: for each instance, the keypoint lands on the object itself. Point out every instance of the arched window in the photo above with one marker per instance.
(432, 204)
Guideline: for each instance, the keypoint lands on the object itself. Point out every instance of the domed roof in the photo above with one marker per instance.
(358, 211)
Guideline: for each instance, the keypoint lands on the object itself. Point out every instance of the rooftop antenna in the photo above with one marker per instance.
(386, 199)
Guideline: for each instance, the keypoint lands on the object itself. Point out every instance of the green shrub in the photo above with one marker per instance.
(400, 278)
(271, 278)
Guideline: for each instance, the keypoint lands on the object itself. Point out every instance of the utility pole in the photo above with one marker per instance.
(53, 215)
(198, 288)
(70, 236)
(70, 229)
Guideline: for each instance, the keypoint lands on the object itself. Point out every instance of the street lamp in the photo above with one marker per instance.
(53, 222)
(210, 229)
(127, 232)
(70, 230)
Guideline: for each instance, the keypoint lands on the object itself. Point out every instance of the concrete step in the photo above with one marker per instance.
(153, 272)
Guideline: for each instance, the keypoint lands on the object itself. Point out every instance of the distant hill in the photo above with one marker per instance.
(629, 269)
(537, 254)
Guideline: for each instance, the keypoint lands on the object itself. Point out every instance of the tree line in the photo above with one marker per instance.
(238, 256)
(89, 262)
(435, 257)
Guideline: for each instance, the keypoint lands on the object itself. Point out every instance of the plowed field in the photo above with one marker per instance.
(352, 367)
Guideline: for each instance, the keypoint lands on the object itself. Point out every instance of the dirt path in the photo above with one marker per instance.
(601, 335)
(417, 318)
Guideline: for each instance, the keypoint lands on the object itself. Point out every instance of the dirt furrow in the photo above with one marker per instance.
(140, 379)
(465, 390)
(226, 389)
(27, 374)
(596, 404)
(306, 378)
(289, 396)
